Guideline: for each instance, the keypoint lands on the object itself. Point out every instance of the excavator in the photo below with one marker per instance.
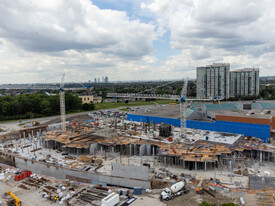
(15, 201)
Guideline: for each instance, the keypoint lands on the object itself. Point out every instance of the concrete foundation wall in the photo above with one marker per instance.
(130, 171)
(258, 183)
(62, 173)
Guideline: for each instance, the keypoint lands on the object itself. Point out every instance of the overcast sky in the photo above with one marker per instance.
(132, 39)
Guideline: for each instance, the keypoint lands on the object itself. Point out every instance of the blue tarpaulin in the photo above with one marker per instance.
(247, 129)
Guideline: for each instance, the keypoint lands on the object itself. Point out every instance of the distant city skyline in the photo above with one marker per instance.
(132, 40)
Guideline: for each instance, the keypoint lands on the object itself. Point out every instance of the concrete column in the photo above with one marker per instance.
(154, 164)
(214, 171)
(40, 143)
(196, 166)
(230, 168)
(261, 156)
(205, 166)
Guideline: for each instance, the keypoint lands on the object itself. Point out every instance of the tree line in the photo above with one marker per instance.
(38, 105)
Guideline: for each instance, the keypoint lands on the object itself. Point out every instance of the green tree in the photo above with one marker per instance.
(88, 107)
(45, 107)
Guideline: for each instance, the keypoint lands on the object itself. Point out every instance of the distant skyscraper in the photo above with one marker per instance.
(95, 80)
(213, 81)
(98, 80)
(106, 79)
(244, 82)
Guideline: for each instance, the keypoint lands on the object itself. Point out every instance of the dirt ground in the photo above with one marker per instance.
(75, 118)
(190, 199)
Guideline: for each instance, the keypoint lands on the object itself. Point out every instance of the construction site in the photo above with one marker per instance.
(210, 151)
(122, 155)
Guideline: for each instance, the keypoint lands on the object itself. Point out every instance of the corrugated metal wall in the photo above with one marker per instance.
(252, 120)
(247, 129)
(273, 123)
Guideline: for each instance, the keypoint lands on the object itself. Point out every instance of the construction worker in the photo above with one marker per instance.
(56, 198)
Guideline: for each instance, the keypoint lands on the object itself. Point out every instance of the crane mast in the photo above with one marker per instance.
(62, 104)
(183, 106)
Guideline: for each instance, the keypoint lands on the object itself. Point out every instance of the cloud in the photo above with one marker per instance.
(59, 25)
(42, 39)
(218, 29)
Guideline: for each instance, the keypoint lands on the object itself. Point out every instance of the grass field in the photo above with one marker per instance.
(166, 101)
(110, 105)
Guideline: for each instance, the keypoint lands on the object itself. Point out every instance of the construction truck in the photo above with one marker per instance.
(175, 190)
(15, 201)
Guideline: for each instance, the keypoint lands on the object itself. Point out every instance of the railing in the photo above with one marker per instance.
(151, 96)
(146, 96)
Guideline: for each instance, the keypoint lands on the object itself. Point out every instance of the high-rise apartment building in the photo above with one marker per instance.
(213, 81)
(244, 82)
(106, 79)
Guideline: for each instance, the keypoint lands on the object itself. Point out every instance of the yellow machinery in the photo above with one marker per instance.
(216, 101)
(15, 201)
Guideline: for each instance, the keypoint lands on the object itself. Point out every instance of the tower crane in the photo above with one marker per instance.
(183, 106)
(62, 104)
